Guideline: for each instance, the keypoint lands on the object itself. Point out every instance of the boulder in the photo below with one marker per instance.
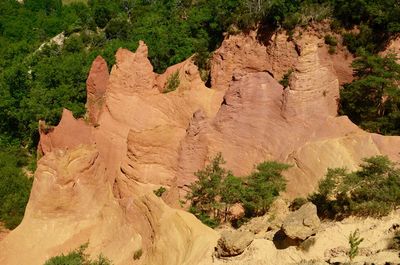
(302, 223)
(233, 243)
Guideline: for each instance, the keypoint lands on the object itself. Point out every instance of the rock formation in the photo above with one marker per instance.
(233, 243)
(303, 223)
(96, 85)
(96, 178)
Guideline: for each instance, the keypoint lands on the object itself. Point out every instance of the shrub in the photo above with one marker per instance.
(332, 49)
(138, 254)
(373, 190)
(330, 40)
(204, 217)
(77, 257)
(395, 244)
(285, 79)
(160, 191)
(172, 82)
(297, 203)
(354, 241)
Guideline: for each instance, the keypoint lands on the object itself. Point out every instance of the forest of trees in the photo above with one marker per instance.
(37, 83)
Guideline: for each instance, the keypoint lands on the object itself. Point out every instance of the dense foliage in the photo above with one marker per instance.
(14, 186)
(372, 100)
(216, 190)
(373, 190)
(77, 257)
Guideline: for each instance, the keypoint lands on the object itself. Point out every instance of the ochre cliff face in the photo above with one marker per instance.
(96, 178)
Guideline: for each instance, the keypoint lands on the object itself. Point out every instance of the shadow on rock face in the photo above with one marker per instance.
(282, 241)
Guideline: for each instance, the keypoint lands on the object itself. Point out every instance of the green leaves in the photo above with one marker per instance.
(373, 190)
(173, 82)
(216, 190)
(354, 242)
(78, 257)
(14, 186)
(372, 100)
(263, 186)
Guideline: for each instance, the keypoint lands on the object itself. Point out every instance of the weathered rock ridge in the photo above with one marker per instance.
(96, 178)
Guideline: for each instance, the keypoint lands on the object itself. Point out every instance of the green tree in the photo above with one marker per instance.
(231, 192)
(373, 190)
(372, 100)
(205, 190)
(118, 28)
(263, 186)
(14, 185)
(102, 14)
(216, 190)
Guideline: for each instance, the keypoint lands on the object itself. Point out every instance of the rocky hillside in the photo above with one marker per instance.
(95, 178)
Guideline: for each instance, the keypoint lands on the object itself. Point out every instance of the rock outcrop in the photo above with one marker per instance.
(303, 223)
(96, 85)
(233, 243)
(328, 246)
(95, 180)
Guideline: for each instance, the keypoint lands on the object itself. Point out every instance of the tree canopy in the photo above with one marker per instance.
(373, 190)
(372, 100)
(216, 190)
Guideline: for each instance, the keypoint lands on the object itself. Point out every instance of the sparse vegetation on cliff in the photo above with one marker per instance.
(285, 79)
(77, 257)
(172, 82)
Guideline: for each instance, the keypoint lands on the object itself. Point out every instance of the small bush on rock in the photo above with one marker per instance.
(297, 203)
(138, 254)
(172, 82)
(285, 79)
(330, 40)
(77, 257)
(160, 191)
